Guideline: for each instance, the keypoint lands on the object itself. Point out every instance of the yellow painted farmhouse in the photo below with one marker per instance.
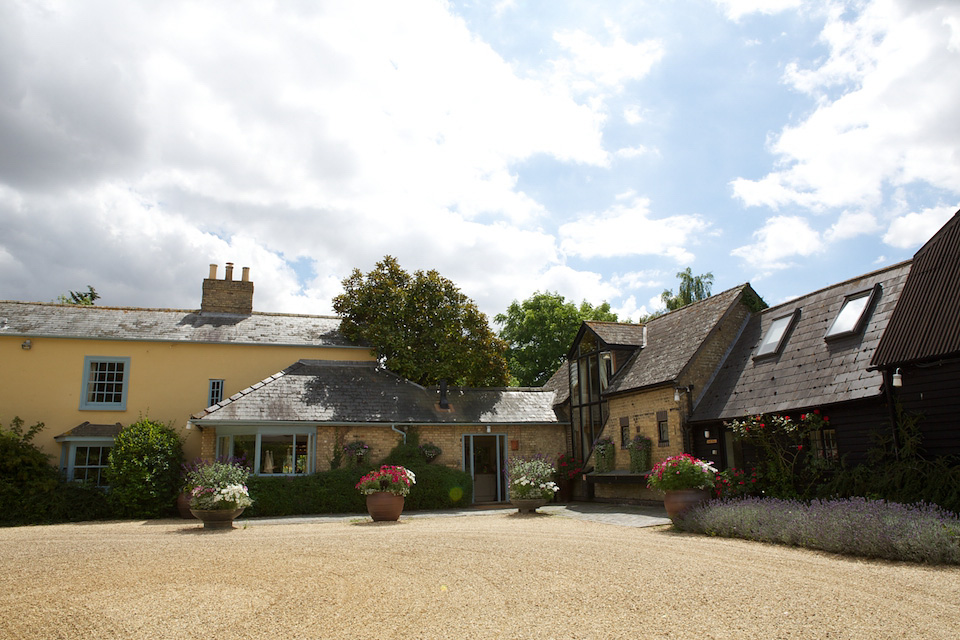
(87, 371)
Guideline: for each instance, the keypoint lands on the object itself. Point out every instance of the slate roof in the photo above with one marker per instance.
(88, 430)
(926, 323)
(559, 383)
(361, 392)
(809, 371)
(37, 320)
(618, 334)
(673, 339)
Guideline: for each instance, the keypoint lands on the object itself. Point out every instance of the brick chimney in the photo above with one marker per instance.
(227, 295)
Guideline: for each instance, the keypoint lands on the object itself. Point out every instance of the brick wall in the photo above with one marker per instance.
(227, 296)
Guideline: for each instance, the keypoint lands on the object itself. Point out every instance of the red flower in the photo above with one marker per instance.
(816, 411)
(803, 416)
(826, 418)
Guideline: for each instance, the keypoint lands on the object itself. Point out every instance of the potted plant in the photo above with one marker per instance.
(356, 451)
(430, 451)
(640, 448)
(603, 453)
(568, 468)
(385, 489)
(685, 481)
(218, 492)
(531, 482)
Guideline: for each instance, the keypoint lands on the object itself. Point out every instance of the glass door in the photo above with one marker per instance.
(484, 458)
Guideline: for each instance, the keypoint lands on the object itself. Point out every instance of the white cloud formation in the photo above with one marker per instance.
(850, 225)
(736, 9)
(780, 239)
(591, 63)
(628, 229)
(885, 112)
(913, 229)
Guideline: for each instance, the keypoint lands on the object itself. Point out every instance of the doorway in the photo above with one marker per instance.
(484, 458)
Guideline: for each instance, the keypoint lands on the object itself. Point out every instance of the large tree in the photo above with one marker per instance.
(421, 326)
(539, 331)
(692, 288)
(82, 298)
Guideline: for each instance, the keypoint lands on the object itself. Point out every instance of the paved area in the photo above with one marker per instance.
(616, 514)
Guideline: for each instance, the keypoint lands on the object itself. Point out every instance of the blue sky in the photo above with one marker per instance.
(594, 149)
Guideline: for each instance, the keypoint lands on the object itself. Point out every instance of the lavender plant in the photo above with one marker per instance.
(855, 526)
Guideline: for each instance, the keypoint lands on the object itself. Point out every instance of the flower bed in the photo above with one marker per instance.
(853, 526)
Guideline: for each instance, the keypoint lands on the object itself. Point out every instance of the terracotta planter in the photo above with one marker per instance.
(677, 501)
(566, 491)
(384, 507)
(217, 518)
(528, 506)
(183, 506)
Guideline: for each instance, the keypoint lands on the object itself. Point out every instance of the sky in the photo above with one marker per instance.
(593, 149)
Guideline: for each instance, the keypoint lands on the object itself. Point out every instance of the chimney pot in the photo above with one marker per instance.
(246, 274)
(213, 272)
(229, 274)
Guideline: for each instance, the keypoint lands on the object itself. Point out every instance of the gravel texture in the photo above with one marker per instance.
(501, 575)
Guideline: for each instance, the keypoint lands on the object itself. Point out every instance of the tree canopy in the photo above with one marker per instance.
(692, 288)
(82, 298)
(540, 330)
(421, 326)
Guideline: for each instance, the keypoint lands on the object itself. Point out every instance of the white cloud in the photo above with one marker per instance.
(632, 152)
(627, 229)
(591, 63)
(913, 229)
(634, 115)
(850, 225)
(736, 9)
(886, 101)
(779, 240)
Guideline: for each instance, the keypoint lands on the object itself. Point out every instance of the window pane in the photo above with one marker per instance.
(245, 449)
(774, 335)
(849, 316)
(80, 458)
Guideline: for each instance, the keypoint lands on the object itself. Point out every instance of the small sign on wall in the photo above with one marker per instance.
(514, 445)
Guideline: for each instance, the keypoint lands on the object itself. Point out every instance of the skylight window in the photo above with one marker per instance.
(853, 314)
(776, 335)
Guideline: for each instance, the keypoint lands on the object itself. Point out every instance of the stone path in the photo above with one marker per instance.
(616, 514)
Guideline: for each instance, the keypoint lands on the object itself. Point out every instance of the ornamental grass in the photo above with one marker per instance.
(921, 533)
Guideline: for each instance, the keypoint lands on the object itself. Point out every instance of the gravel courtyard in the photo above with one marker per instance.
(498, 575)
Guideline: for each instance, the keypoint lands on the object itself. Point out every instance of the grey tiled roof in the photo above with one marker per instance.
(35, 319)
(672, 341)
(559, 383)
(809, 371)
(359, 392)
(618, 333)
(87, 430)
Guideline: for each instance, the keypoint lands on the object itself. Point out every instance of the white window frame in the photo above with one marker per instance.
(225, 435)
(88, 405)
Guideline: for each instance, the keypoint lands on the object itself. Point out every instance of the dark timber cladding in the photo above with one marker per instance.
(926, 322)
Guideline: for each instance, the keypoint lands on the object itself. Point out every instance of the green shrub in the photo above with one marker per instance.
(33, 492)
(335, 491)
(144, 470)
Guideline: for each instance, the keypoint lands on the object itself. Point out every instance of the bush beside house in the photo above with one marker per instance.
(144, 470)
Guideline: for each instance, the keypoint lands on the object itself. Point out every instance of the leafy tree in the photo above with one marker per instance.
(85, 299)
(421, 326)
(539, 331)
(144, 470)
(692, 288)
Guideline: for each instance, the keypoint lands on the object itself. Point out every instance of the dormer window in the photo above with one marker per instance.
(776, 335)
(853, 314)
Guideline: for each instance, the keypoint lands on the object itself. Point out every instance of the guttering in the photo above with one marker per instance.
(403, 433)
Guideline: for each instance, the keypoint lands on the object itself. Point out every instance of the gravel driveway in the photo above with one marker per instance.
(499, 575)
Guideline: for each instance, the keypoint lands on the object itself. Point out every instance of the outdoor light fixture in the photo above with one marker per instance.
(25, 345)
(706, 433)
(897, 378)
(677, 390)
(676, 395)
(488, 428)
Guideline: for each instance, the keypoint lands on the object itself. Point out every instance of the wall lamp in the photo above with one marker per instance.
(678, 390)
(897, 380)
(26, 345)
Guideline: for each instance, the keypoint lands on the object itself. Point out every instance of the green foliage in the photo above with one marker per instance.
(337, 458)
(144, 470)
(33, 492)
(681, 471)
(641, 450)
(604, 452)
(437, 487)
(692, 288)
(220, 484)
(539, 332)
(84, 299)
(900, 474)
(421, 326)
